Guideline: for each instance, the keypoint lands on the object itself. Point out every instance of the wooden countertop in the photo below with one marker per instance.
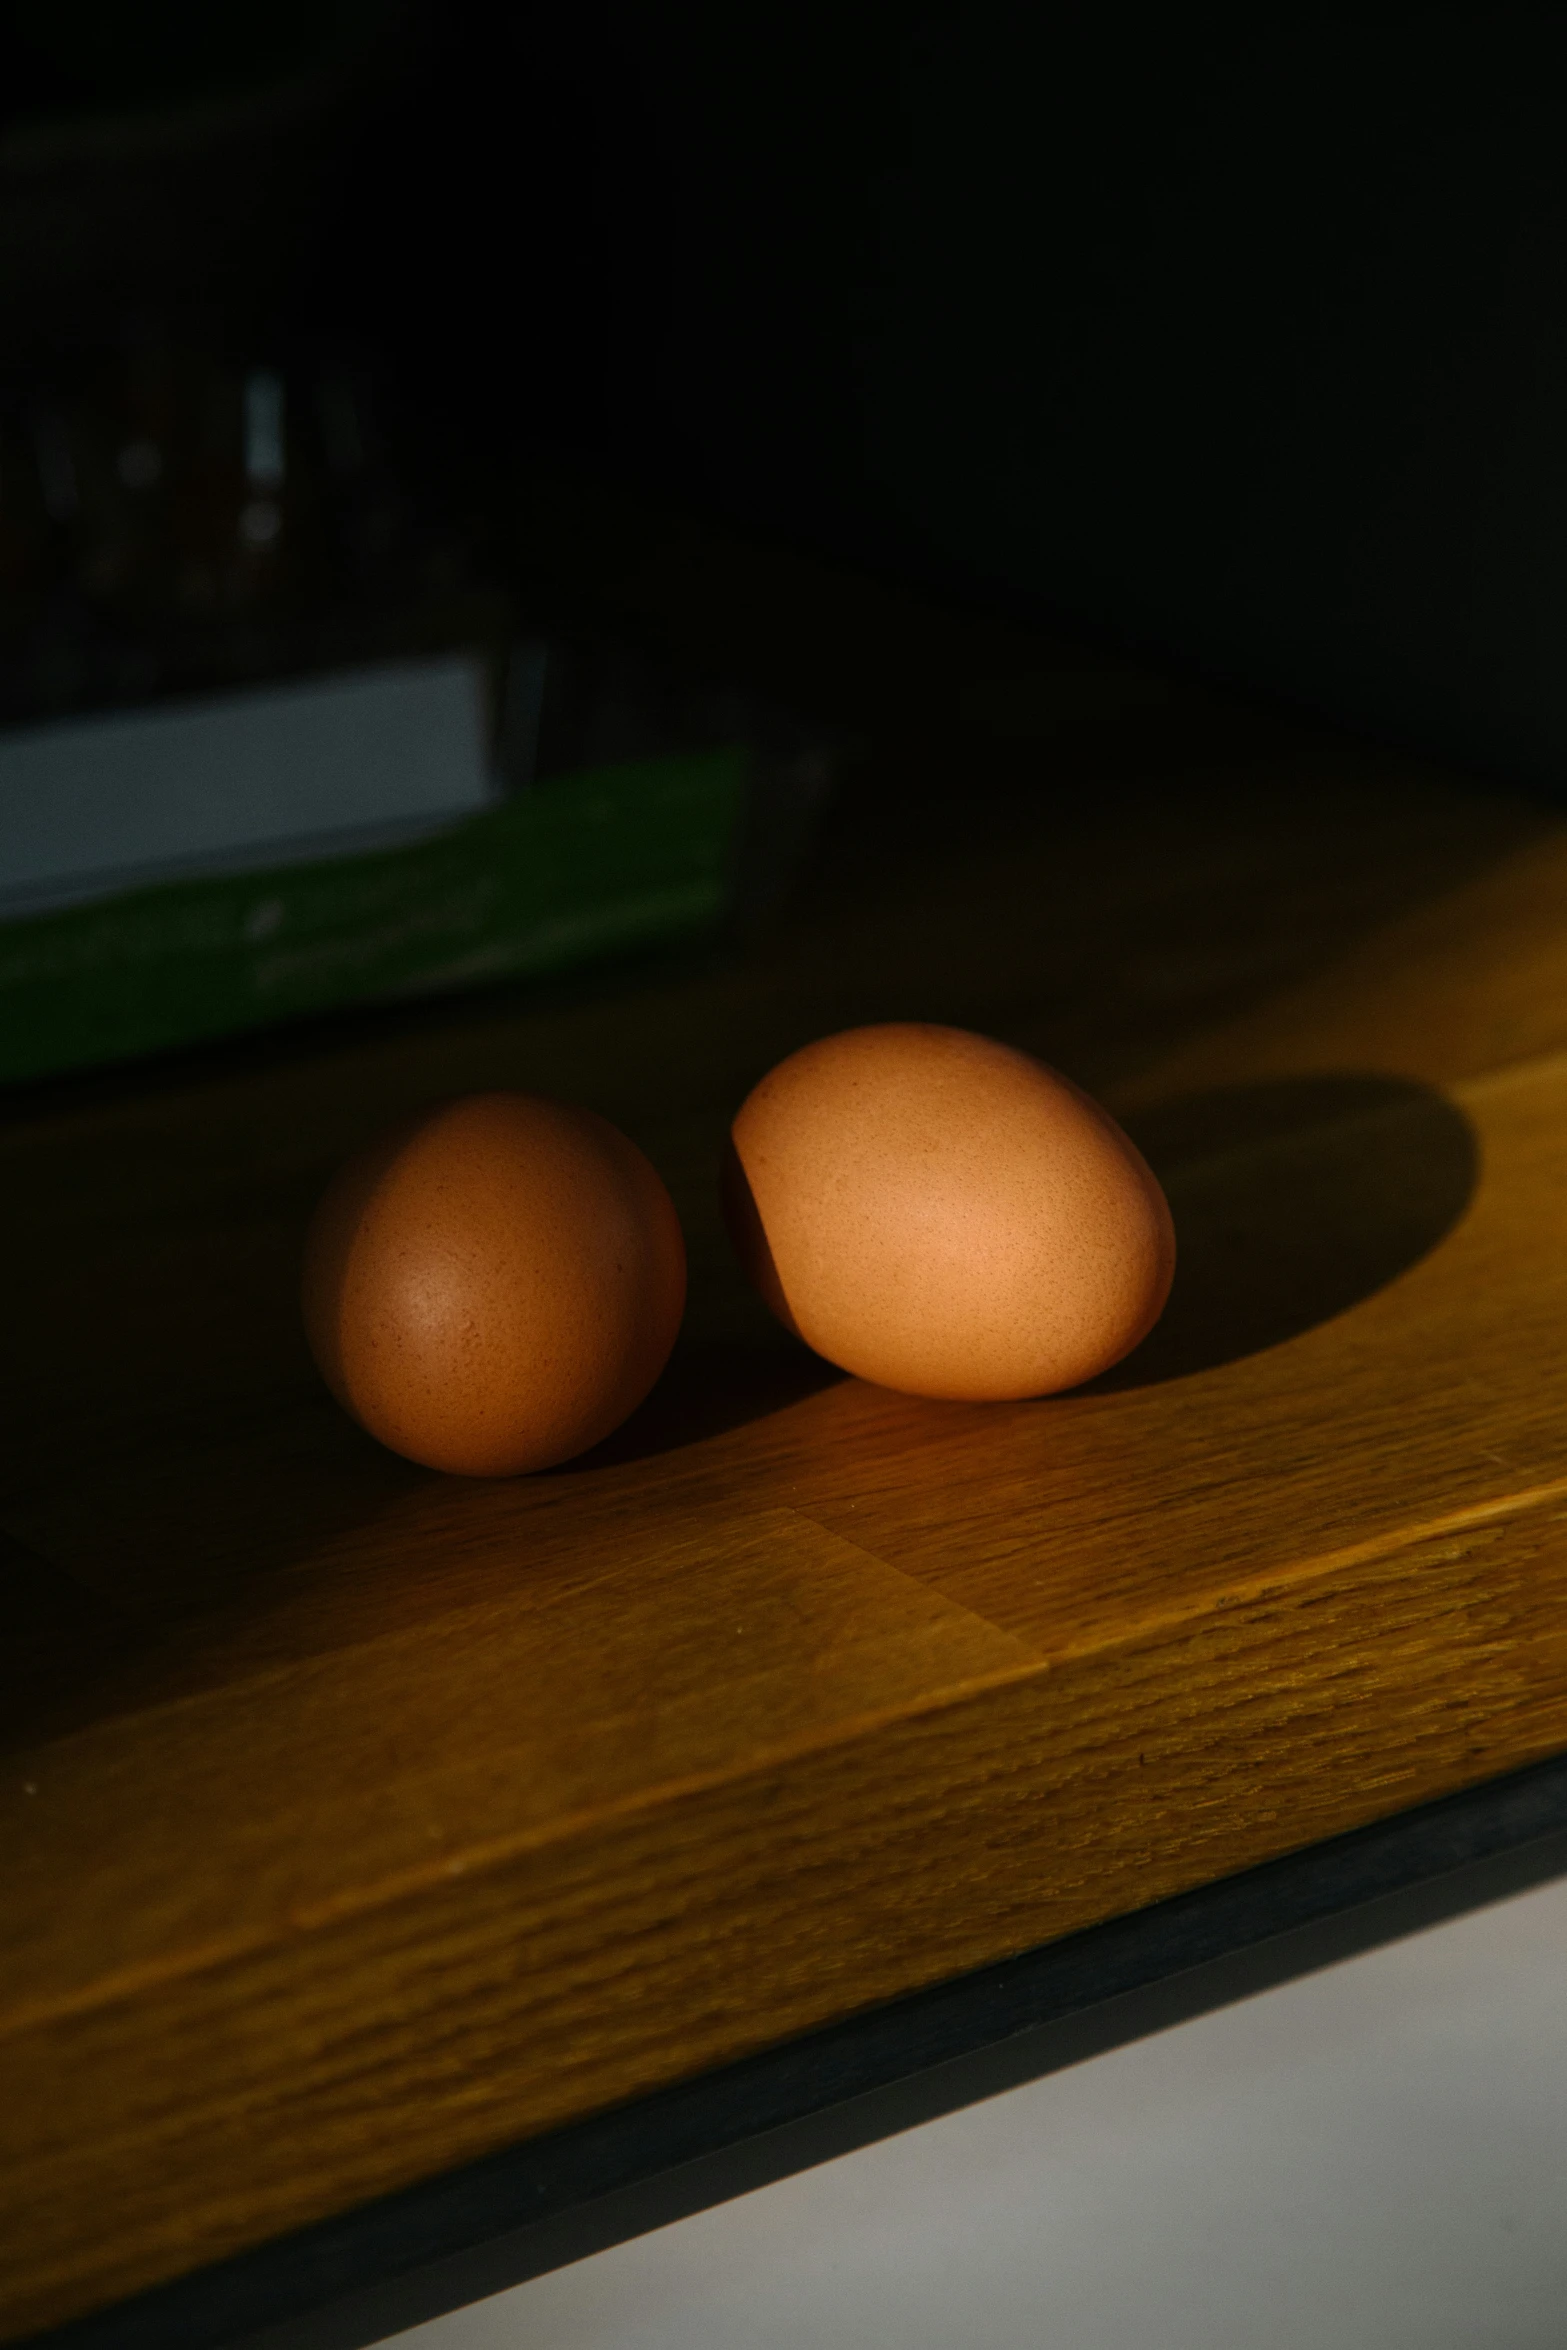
(357, 1820)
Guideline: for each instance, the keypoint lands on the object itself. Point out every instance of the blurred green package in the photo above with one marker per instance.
(579, 866)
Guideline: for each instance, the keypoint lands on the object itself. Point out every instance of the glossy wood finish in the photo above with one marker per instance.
(356, 1820)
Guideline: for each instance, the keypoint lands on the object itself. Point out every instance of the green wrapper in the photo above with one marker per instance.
(580, 866)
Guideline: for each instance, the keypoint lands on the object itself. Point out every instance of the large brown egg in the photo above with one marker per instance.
(493, 1287)
(941, 1214)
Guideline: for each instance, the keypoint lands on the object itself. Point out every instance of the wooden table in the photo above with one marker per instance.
(360, 1822)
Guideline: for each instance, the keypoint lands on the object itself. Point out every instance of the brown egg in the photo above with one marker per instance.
(493, 1287)
(941, 1214)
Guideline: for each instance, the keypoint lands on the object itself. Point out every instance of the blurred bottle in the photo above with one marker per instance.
(172, 518)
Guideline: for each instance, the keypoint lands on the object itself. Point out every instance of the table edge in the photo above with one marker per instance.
(347, 2282)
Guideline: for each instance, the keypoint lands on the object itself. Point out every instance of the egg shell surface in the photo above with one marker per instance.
(494, 1286)
(942, 1214)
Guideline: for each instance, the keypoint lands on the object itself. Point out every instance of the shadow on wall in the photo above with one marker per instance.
(1293, 1201)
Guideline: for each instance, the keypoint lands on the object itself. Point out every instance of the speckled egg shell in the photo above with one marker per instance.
(941, 1214)
(493, 1287)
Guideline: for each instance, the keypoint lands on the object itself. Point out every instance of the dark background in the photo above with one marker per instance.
(1242, 339)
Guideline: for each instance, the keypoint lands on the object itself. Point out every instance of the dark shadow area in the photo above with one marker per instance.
(1293, 1201)
(72, 1659)
(55, 1637)
(206, 1566)
(710, 1387)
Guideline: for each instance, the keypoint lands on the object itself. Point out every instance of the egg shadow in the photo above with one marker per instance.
(709, 1387)
(1293, 1201)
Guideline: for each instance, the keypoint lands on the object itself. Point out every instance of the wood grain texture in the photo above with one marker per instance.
(355, 1821)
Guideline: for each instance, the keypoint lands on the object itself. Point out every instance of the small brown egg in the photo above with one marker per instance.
(938, 1213)
(493, 1287)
